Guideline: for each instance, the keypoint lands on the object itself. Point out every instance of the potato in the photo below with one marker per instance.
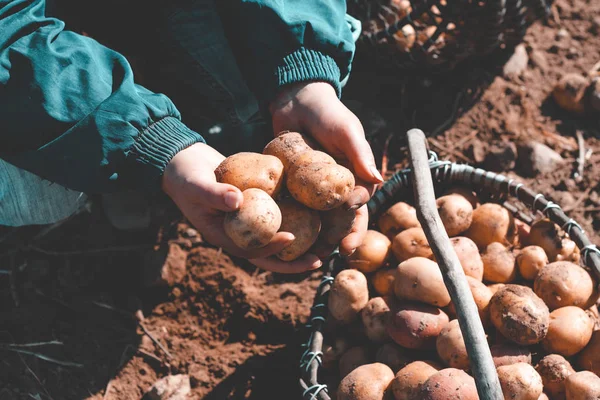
(252, 170)
(563, 283)
(334, 351)
(569, 93)
(543, 396)
(308, 157)
(409, 379)
(547, 235)
(397, 218)
(374, 317)
(568, 251)
(255, 223)
(336, 224)
(348, 295)
(519, 314)
(448, 384)
(594, 315)
(411, 243)
(508, 354)
(287, 146)
(530, 261)
(495, 287)
(451, 347)
(520, 382)
(393, 356)
(584, 385)
(569, 332)
(383, 281)
(353, 358)
(469, 257)
(405, 38)
(372, 254)
(554, 370)
(303, 223)
(522, 232)
(498, 264)
(416, 325)
(420, 279)
(369, 381)
(456, 213)
(320, 186)
(491, 223)
(482, 296)
(589, 357)
(466, 193)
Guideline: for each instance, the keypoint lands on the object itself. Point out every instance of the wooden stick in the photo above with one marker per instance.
(482, 364)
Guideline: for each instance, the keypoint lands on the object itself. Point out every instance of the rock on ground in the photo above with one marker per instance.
(172, 387)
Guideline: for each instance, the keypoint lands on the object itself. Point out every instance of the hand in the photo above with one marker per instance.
(313, 108)
(190, 181)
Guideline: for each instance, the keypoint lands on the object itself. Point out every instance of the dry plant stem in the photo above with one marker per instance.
(482, 364)
(155, 340)
(581, 157)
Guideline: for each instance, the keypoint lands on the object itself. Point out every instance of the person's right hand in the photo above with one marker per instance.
(189, 180)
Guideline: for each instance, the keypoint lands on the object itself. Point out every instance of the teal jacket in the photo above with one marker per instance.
(70, 110)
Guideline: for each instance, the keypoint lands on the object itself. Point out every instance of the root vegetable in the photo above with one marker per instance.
(311, 156)
(369, 381)
(563, 283)
(303, 223)
(469, 257)
(399, 217)
(498, 264)
(495, 287)
(348, 295)
(554, 370)
(569, 93)
(456, 213)
(449, 384)
(482, 296)
(467, 194)
(333, 352)
(508, 354)
(491, 223)
(519, 314)
(409, 379)
(320, 186)
(420, 279)
(353, 358)
(255, 223)
(383, 281)
(411, 243)
(374, 317)
(372, 254)
(393, 356)
(451, 347)
(569, 332)
(589, 357)
(520, 382)
(547, 235)
(252, 170)
(530, 261)
(336, 224)
(568, 251)
(416, 325)
(287, 146)
(584, 385)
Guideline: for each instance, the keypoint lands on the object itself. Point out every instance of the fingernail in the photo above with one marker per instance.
(318, 264)
(232, 200)
(376, 174)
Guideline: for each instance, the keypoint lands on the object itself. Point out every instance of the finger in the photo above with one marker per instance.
(307, 262)
(357, 234)
(323, 249)
(360, 195)
(217, 196)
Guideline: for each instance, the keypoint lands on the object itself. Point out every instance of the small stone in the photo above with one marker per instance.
(539, 60)
(517, 62)
(562, 34)
(165, 266)
(537, 158)
(172, 387)
(501, 156)
(190, 233)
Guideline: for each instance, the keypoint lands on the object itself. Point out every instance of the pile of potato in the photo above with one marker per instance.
(291, 187)
(392, 331)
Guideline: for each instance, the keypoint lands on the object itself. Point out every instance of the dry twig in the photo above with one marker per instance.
(581, 157)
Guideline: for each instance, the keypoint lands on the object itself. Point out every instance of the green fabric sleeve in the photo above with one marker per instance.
(280, 42)
(71, 112)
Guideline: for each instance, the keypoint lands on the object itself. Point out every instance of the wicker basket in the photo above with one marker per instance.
(436, 35)
(490, 187)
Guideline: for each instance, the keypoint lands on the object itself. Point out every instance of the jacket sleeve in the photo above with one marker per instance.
(281, 42)
(71, 113)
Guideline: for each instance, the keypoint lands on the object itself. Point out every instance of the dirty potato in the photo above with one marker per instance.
(348, 295)
(303, 223)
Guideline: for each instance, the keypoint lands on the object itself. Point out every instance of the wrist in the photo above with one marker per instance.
(299, 94)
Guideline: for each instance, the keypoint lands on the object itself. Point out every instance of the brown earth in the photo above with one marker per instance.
(237, 331)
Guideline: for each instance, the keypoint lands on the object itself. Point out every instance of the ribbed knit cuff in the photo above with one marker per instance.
(154, 149)
(309, 65)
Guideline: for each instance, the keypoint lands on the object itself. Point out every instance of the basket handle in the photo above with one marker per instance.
(480, 357)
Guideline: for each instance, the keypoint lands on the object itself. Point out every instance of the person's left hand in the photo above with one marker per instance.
(314, 109)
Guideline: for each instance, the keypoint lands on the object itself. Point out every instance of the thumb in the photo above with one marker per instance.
(218, 196)
(359, 153)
